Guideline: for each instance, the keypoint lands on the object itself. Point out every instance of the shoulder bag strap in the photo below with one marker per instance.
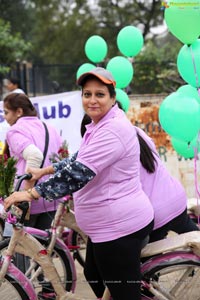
(45, 147)
(46, 144)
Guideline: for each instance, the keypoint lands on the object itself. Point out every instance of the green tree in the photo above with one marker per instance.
(59, 30)
(20, 15)
(112, 16)
(155, 67)
(12, 47)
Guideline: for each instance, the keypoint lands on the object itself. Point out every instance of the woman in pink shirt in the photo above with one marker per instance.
(166, 194)
(104, 178)
(26, 142)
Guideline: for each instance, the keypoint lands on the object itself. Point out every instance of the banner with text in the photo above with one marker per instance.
(63, 111)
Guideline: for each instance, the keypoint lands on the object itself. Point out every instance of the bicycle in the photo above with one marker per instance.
(175, 257)
(172, 270)
(69, 232)
(64, 217)
(24, 243)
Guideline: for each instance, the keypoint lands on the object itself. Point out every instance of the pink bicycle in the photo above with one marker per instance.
(170, 273)
(12, 280)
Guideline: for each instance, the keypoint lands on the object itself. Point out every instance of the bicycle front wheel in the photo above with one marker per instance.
(59, 259)
(174, 276)
(11, 290)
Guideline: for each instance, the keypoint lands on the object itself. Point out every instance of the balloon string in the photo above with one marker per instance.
(195, 172)
(195, 70)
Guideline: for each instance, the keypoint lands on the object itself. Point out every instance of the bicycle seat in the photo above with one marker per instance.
(179, 241)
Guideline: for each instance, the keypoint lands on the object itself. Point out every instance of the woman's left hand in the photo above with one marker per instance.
(15, 198)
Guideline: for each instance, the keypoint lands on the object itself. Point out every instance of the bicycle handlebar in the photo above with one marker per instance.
(23, 206)
(22, 178)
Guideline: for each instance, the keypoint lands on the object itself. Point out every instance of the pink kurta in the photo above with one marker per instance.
(27, 131)
(165, 192)
(113, 204)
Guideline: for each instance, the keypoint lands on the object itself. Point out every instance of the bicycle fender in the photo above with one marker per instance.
(23, 281)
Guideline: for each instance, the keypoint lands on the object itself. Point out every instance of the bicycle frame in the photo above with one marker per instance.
(64, 217)
(24, 243)
(55, 237)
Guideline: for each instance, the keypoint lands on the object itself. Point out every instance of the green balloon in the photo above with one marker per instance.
(123, 98)
(96, 48)
(130, 41)
(189, 90)
(183, 20)
(188, 63)
(84, 68)
(122, 70)
(187, 150)
(179, 116)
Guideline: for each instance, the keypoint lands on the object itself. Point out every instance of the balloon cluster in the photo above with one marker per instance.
(179, 113)
(130, 42)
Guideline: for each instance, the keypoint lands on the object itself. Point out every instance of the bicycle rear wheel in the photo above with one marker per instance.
(174, 275)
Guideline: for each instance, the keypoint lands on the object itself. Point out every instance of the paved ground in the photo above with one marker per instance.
(82, 288)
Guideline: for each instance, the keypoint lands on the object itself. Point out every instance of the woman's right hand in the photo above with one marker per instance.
(36, 173)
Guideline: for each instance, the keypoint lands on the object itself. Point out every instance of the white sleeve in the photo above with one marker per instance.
(33, 156)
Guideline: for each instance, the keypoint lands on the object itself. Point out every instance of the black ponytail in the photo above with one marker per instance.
(147, 158)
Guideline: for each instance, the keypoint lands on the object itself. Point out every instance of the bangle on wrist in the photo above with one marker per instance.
(30, 192)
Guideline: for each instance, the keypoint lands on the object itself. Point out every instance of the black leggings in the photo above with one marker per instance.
(118, 263)
(181, 224)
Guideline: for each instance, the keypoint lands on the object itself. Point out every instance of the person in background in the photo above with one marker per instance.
(104, 178)
(165, 192)
(13, 85)
(25, 140)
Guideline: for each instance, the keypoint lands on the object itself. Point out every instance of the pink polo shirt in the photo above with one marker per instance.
(166, 193)
(113, 204)
(27, 131)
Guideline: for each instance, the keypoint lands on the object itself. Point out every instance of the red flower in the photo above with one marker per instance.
(62, 153)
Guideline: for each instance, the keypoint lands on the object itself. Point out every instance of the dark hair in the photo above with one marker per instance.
(14, 101)
(147, 158)
(110, 87)
(86, 120)
(16, 81)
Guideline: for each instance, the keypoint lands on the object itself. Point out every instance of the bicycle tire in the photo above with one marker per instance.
(79, 253)
(63, 261)
(11, 288)
(175, 275)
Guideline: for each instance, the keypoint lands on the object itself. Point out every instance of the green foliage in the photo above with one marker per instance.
(155, 68)
(58, 31)
(12, 47)
(7, 175)
(20, 14)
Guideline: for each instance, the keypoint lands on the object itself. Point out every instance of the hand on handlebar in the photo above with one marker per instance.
(36, 173)
(15, 198)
